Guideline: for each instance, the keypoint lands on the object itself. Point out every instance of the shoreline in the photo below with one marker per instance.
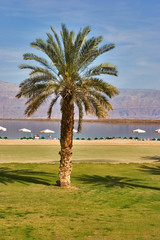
(105, 121)
(78, 142)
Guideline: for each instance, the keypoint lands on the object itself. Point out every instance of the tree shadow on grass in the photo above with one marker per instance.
(25, 176)
(114, 181)
(153, 170)
(155, 158)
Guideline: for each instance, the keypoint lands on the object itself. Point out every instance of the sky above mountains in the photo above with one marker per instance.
(132, 25)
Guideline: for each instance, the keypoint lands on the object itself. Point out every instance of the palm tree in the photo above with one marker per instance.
(68, 75)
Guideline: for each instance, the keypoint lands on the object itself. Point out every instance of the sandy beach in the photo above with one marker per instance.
(78, 142)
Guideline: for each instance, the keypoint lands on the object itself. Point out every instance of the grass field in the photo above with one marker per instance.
(108, 153)
(107, 201)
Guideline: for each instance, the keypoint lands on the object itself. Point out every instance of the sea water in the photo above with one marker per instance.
(89, 129)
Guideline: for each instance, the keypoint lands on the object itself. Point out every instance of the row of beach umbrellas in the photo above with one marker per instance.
(43, 131)
(29, 131)
(143, 131)
(25, 130)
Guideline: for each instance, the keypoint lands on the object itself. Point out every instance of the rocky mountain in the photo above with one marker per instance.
(136, 104)
(129, 104)
(12, 107)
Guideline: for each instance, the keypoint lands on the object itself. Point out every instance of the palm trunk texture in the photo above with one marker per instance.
(67, 123)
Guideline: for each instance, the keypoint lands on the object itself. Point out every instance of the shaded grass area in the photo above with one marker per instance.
(114, 153)
(108, 202)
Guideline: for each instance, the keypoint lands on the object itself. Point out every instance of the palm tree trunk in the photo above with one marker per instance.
(67, 123)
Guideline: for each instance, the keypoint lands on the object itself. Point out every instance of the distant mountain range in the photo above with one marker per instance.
(129, 104)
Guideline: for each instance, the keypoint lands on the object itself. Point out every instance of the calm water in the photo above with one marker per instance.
(88, 130)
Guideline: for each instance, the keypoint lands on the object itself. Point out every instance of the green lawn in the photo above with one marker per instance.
(107, 201)
(114, 153)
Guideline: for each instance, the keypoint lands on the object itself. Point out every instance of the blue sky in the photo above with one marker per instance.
(132, 25)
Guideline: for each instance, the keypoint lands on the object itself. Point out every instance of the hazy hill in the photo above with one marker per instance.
(131, 103)
(137, 103)
(12, 107)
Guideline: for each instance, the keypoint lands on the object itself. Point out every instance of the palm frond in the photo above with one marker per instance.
(43, 61)
(99, 109)
(28, 90)
(102, 86)
(69, 50)
(102, 99)
(49, 50)
(86, 103)
(35, 103)
(57, 54)
(80, 39)
(54, 100)
(104, 68)
(33, 88)
(43, 72)
(106, 48)
(57, 39)
(39, 70)
(89, 52)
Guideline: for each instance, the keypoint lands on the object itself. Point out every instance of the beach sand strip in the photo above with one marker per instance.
(78, 142)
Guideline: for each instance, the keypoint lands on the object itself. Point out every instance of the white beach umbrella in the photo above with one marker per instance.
(157, 130)
(3, 129)
(75, 131)
(139, 131)
(47, 131)
(24, 130)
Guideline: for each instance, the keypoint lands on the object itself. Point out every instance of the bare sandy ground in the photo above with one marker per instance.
(79, 142)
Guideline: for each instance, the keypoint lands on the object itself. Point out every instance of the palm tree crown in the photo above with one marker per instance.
(68, 74)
